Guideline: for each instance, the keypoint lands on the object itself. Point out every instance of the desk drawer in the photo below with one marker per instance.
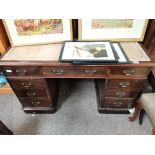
(128, 71)
(74, 71)
(21, 71)
(26, 84)
(125, 84)
(30, 92)
(35, 102)
(122, 93)
(112, 102)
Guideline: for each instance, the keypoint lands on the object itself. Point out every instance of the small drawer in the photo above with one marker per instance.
(26, 84)
(113, 102)
(35, 102)
(21, 71)
(125, 84)
(30, 92)
(128, 71)
(74, 71)
(122, 93)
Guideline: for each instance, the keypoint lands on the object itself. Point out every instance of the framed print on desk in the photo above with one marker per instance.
(112, 29)
(38, 31)
(92, 51)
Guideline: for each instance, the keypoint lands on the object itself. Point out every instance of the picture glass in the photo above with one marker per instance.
(30, 27)
(89, 51)
(111, 23)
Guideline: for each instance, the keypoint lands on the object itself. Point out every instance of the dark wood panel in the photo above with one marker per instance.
(27, 83)
(125, 84)
(128, 71)
(35, 102)
(30, 92)
(125, 93)
(74, 71)
(21, 71)
(115, 102)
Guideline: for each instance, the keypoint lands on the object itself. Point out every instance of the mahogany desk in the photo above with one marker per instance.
(34, 74)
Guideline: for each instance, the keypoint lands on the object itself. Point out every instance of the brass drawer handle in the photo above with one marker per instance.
(90, 72)
(120, 94)
(117, 103)
(124, 84)
(31, 94)
(27, 84)
(35, 102)
(58, 71)
(21, 71)
(128, 71)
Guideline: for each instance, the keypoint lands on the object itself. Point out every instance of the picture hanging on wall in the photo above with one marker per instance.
(112, 29)
(38, 31)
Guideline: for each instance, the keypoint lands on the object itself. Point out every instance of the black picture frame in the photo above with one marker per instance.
(123, 53)
(88, 60)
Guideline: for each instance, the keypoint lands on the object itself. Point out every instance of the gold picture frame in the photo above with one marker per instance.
(134, 31)
(43, 34)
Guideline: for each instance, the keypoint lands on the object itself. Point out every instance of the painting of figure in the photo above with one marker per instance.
(111, 23)
(29, 27)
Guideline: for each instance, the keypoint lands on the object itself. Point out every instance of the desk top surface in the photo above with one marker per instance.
(51, 52)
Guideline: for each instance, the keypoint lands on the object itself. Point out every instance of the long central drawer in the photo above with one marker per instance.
(75, 71)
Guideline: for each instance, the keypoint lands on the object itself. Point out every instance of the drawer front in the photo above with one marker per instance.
(35, 102)
(125, 84)
(21, 71)
(74, 71)
(121, 93)
(128, 71)
(30, 92)
(26, 84)
(118, 102)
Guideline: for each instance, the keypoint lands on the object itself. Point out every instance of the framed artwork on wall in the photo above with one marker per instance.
(38, 31)
(112, 29)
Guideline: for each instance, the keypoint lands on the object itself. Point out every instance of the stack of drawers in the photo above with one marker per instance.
(36, 94)
(117, 95)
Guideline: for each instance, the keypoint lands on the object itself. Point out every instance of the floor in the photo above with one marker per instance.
(78, 115)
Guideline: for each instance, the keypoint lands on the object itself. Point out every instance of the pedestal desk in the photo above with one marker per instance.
(34, 73)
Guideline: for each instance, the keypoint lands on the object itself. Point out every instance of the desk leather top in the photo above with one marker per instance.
(51, 52)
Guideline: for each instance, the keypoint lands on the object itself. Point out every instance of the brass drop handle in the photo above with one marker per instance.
(27, 84)
(21, 71)
(128, 71)
(124, 84)
(31, 94)
(120, 94)
(35, 102)
(58, 71)
(90, 72)
(117, 103)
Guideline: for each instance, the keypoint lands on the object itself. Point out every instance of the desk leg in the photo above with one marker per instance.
(138, 107)
(4, 130)
(153, 131)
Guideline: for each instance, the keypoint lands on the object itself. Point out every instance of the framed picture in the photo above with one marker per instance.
(121, 55)
(112, 29)
(87, 51)
(38, 31)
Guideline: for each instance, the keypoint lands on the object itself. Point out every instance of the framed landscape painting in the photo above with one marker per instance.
(112, 29)
(38, 31)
